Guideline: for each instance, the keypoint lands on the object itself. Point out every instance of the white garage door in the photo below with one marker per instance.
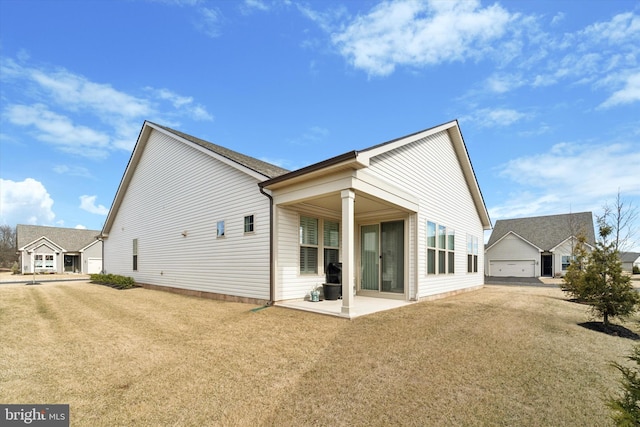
(512, 268)
(94, 265)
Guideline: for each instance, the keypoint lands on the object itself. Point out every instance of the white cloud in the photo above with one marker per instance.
(420, 33)
(62, 101)
(72, 171)
(88, 203)
(59, 130)
(210, 22)
(495, 117)
(255, 5)
(627, 95)
(569, 176)
(76, 92)
(25, 202)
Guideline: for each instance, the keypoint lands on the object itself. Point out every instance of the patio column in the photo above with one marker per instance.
(348, 251)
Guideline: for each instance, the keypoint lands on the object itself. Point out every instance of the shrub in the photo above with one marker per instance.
(636, 269)
(626, 408)
(113, 280)
(15, 268)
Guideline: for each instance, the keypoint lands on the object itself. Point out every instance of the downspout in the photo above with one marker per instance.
(271, 263)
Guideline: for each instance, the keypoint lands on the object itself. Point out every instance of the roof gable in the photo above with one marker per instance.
(67, 239)
(361, 159)
(546, 232)
(259, 169)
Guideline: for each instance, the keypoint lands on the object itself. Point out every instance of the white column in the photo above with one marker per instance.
(348, 251)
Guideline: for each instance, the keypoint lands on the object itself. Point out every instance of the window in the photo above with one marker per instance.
(440, 249)
(472, 254)
(566, 260)
(248, 224)
(48, 261)
(38, 261)
(308, 245)
(220, 229)
(331, 242)
(431, 251)
(135, 254)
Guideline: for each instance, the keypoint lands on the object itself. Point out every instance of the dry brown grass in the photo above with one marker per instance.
(499, 356)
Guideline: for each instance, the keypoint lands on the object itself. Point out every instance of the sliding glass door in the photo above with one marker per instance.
(382, 257)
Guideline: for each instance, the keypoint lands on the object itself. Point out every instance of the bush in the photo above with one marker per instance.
(626, 408)
(636, 269)
(114, 280)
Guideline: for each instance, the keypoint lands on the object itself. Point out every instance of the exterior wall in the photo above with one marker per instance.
(294, 285)
(430, 169)
(44, 248)
(513, 248)
(172, 204)
(565, 249)
(93, 251)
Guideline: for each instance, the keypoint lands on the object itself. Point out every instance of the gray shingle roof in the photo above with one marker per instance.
(262, 167)
(629, 256)
(546, 232)
(71, 239)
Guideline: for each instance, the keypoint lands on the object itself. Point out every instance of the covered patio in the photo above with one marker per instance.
(363, 306)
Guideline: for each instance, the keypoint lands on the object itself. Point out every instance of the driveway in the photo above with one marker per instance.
(520, 281)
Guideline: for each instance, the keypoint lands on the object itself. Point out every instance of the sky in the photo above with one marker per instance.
(546, 92)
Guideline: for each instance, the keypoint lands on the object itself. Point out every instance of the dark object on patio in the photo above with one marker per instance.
(334, 277)
(332, 291)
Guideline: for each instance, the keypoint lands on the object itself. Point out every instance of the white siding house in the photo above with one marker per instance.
(402, 218)
(58, 250)
(536, 246)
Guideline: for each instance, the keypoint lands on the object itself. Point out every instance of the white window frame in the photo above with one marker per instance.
(472, 254)
(252, 224)
(308, 243)
(440, 249)
(220, 229)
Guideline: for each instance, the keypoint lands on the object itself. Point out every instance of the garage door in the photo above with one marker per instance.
(94, 265)
(512, 268)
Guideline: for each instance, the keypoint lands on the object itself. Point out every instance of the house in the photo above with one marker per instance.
(629, 260)
(58, 250)
(403, 218)
(536, 246)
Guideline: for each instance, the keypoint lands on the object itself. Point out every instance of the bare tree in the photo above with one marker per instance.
(8, 246)
(622, 218)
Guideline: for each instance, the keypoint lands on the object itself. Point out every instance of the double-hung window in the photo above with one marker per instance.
(248, 224)
(472, 254)
(331, 242)
(135, 254)
(440, 249)
(308, 245)
(566, 261)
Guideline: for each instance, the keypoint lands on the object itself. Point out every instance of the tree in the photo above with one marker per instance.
(627, 408)
(598, 280)
(621, 217)
(8, 246)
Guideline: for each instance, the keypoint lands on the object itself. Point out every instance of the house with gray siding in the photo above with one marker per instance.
(58, 250)
(540, 246)
(403, 219)
(629, 260)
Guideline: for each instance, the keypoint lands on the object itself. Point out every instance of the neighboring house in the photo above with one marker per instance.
(404, 218)
(536, 246)
(58, 250)
(629, 259)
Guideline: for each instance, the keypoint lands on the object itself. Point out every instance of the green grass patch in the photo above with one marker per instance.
(114, 280)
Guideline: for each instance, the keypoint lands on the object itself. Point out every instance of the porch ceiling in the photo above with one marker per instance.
(364, 204)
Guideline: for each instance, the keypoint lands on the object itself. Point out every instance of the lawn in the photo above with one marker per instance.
(499, 356)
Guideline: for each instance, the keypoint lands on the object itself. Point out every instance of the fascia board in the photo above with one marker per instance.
(34, 244)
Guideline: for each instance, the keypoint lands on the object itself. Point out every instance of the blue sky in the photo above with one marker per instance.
(547, 93)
